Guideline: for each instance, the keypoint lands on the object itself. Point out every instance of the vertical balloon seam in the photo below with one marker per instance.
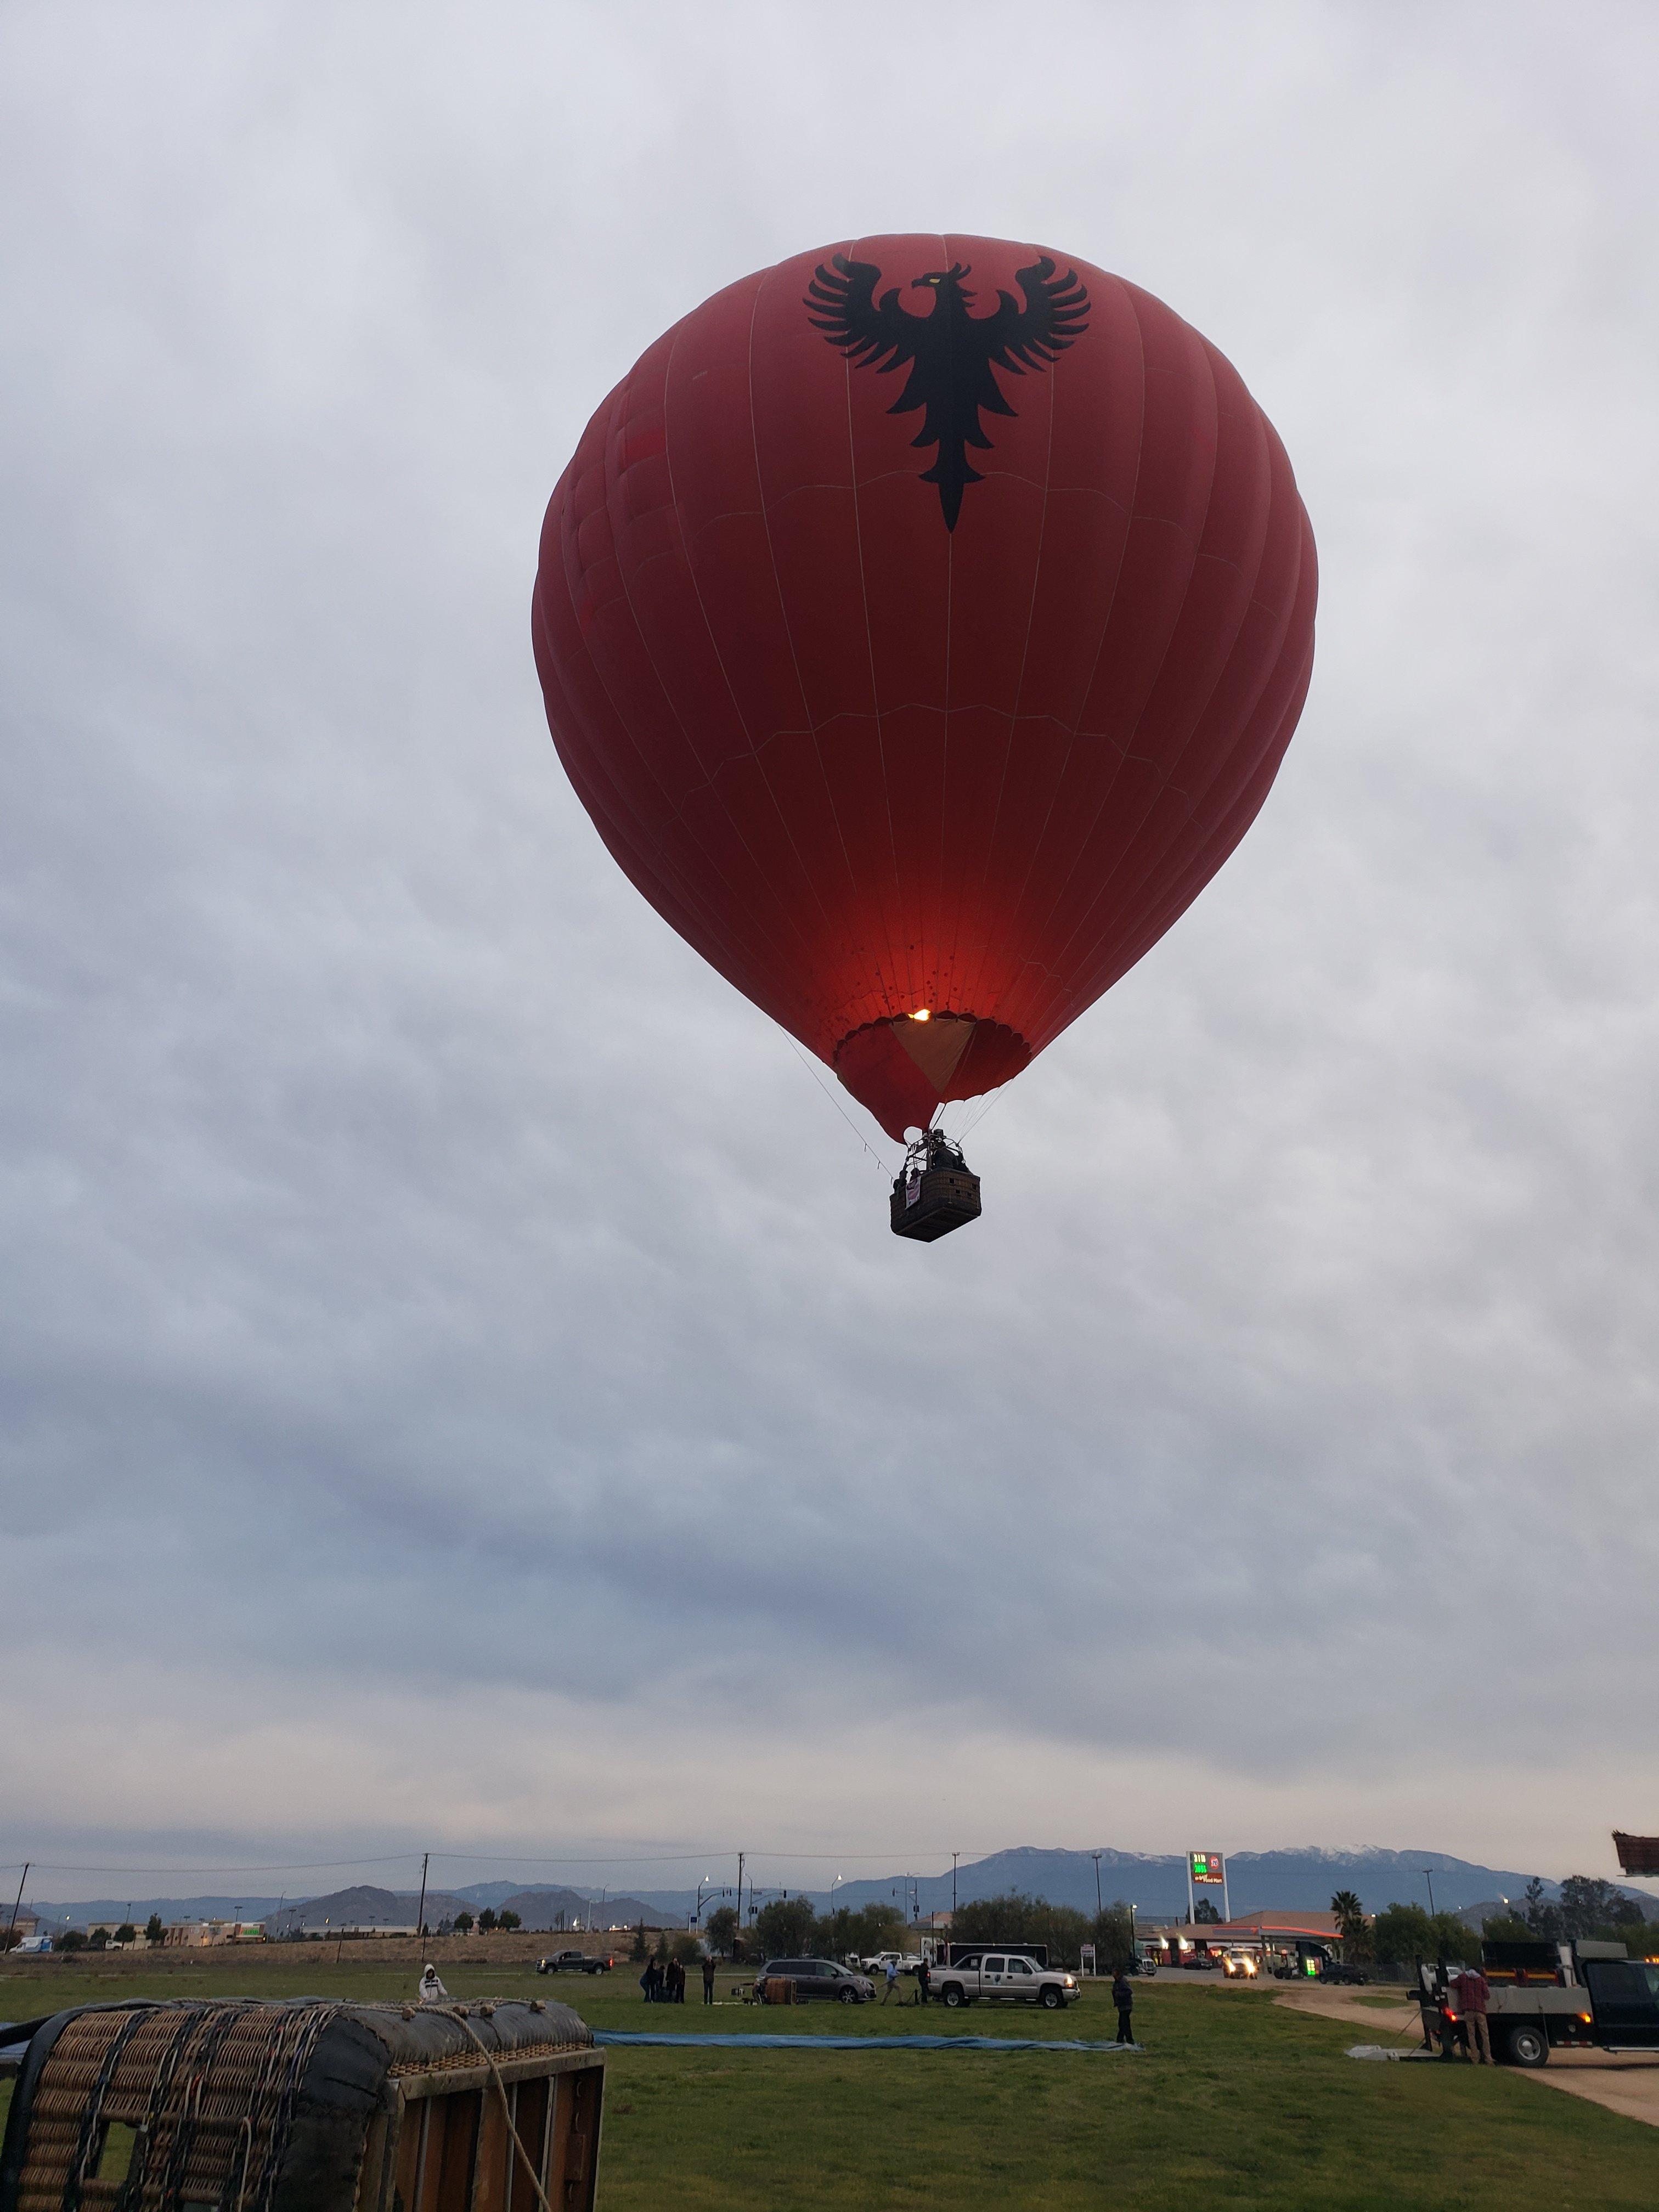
(1241, 741)
(1128, 845)
(657, 881)
(875, 686)
(740, 953)
(1149, 863)
(1151, 685)
(745, 904)
(614, 812)
(1226, 835)
(754, 751)
(998, 992)
(1233, 828)
(955, 989)
(849, 910)
(1105, 619)
(1154, 866)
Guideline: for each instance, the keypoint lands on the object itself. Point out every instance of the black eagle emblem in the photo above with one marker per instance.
(950, 354)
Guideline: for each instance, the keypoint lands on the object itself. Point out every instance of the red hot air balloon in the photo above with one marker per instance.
(922, 623)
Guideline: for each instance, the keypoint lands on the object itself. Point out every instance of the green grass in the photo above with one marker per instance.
(1234, 2103)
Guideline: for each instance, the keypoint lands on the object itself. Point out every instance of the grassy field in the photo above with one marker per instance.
(1232, 2103)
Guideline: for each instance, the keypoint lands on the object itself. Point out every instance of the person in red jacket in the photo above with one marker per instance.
(1471, 1990)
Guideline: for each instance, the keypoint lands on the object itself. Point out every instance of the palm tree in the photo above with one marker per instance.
(1351, 1924)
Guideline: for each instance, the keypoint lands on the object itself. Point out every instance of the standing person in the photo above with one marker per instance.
(677, 1970)
(1473, 1990)
(708, 1979)
(651, 1980)
(432, 1989)
(892, 1979)
(1123, 1996)
(924, 1976)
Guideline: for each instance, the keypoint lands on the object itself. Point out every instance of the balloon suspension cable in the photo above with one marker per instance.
(883, 1168)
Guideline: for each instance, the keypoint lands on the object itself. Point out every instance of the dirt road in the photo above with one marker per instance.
(1623, 2083)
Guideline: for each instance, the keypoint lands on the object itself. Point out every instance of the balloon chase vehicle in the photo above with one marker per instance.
(922, 623)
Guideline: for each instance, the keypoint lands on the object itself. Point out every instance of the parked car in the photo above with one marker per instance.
(1240, 1965)
(1336, 1970)
(1005, 1977)
(905, 1961)
(1200, 1962)
(573, 1962)
(816, 1978)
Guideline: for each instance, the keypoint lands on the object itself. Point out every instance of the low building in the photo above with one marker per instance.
(1272, 1938)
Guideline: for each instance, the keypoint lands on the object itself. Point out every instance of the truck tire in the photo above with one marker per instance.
(1052, 1999)
(953, 1994)
(1527, 2045)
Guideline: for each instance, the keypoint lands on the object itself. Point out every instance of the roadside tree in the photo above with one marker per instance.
(785, 1928)
(153, 1931)
(1588, 1903)
(1542, 1918)
(508, 1919)
(1113, 1934)
(487, 1922)
(463, 1924)
(1403, 1932)
(720, 1930)
(1020, 1919)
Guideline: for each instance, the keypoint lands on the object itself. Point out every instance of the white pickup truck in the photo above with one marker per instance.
(1003, 1977)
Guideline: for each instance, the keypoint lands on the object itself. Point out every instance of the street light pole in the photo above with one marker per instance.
(954, 1855)
(17, 1903)
(1099, 1907)
(420, 1911)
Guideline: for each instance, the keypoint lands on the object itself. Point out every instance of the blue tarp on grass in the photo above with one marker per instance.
(855, 2041)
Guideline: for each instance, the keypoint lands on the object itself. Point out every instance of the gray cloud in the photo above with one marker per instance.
(454, 1369)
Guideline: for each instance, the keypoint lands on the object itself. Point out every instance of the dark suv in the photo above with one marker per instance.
(816, 1978)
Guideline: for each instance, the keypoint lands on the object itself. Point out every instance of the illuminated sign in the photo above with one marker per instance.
(1205, 1866)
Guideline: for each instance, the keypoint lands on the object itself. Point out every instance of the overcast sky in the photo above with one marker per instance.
(459, 1388)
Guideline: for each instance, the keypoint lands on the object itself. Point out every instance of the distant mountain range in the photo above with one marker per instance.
(1154, 1883)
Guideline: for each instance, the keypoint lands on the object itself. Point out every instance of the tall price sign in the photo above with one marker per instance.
(1206, 1869)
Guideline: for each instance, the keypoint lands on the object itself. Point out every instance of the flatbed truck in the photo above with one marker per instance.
(1547, 1997)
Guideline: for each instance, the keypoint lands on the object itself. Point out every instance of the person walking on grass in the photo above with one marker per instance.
(892, 1979)
(708, 1979)
(1123, 1996)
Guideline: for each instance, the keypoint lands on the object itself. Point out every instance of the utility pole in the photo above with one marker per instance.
(420, 1911)
(1189, 1889)
(1428, 1876)
(954, 1855)
(1099, 1907)
(1226, 1909)
(11, 1926)
(741, 1856)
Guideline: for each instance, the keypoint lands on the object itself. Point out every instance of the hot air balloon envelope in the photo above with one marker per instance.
(922, 623)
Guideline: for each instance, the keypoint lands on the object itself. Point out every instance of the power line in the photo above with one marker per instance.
(478, 1858)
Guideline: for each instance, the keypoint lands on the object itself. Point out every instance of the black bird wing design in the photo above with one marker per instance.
(1054, 316)
(841, 302)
